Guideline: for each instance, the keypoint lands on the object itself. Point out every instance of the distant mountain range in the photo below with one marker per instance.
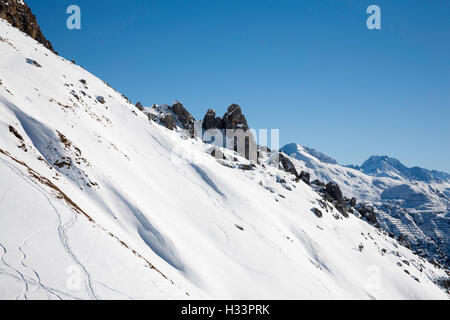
(412, 202)
(377, 166)
(384, 166)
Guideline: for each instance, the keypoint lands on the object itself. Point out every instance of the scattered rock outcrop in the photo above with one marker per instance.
(305, 177)
(169, 122)
(317, 212)
(139, 106)
(234, 119)
(101, 99)
(210, 121)
(19, 15)
(368, 212)
(287, 164)
(183, 116)
(333, 193)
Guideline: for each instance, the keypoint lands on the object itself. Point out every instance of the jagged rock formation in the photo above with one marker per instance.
(210, 121)
(19, 15)
(334, 194)
(183, 116)
(287, 165)
(305, 177)
(234, 119)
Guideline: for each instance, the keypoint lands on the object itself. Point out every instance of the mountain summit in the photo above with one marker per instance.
(384, 166)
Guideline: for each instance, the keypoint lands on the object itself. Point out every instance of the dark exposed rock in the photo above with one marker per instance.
(352, 202)
(368, 212)
(334, 191)
(287, 164)
(209, 121)
(183, 116)
(139, 106)
(15, 133)
(19, 15)
(342, 208)
(83, 81)
(33, 63)
(445, 283)
(218, 154)
(101, 100)
(305, 177)
(403, 240)
(234, 119)
(317, 212)
(152, 117)
(246, 167)
(169, 122)
(281, 180)
(318, 183)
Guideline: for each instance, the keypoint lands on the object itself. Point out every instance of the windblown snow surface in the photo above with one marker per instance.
(98, 202)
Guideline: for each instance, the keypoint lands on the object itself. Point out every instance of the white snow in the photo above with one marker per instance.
(98, 193)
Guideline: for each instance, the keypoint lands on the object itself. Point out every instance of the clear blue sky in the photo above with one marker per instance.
(310, 68)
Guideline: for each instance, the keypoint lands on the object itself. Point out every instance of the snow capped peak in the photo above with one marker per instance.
(385, 166)
(296, 150)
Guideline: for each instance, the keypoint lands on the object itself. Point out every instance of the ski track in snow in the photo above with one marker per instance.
(20, 275)
(30, 281)
(62, 232)
(24, 256)
(116, 291)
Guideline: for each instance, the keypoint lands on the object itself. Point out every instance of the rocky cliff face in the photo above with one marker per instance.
(19, 15)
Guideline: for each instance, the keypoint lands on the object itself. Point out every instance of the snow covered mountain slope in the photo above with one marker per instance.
(98, 202)
(411, 202)
(384, 166)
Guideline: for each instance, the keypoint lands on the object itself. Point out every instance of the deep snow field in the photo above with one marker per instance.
(98, 202)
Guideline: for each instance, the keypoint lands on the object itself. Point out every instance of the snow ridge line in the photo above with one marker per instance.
(62, 196)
